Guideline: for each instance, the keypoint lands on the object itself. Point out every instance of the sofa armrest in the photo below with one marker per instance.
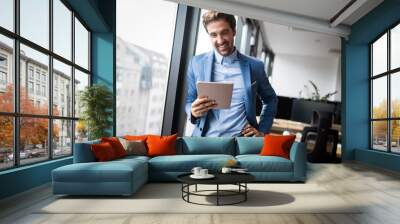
(83, 152)
(299, 158)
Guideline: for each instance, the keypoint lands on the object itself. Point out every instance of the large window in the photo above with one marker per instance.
(81, 45)
(34, 24)
(6, 73)
(385, 95)
(203, 43)
(144, 46)
(7, 14)
(38, 124)
(62, 32)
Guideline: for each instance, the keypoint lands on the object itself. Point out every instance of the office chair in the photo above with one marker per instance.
(323, 135)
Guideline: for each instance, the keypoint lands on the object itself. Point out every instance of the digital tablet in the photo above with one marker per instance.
(221, 92)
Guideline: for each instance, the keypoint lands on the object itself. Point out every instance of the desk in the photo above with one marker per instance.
(296, 128)
(281, 125)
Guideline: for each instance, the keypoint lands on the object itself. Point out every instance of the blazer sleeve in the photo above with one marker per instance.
(268, 98)
(191, 94)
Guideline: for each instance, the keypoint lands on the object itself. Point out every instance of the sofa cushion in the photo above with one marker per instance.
(103, 152)
(134, 147)
(161, 145)
(136, 137)
(112, 171)
(132, 158)
(257, 163)
(185, 163)
(116, 145)
(209, 145)
(277, 145)
(249, 145)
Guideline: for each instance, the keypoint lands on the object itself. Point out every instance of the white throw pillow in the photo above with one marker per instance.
(134, 147)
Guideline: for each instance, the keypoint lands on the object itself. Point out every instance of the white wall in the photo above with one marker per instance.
(338, 96)
(291, 72)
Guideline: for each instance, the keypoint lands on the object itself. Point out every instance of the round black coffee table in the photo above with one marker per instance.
(238, 179)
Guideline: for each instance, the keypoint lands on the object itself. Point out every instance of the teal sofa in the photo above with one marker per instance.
(125, 176)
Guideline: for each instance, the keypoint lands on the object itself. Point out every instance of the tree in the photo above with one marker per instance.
(33, 131)
(81, 129)
(6, 122)
(97, 102)
(380, 127)
(396, 124)
(6, 132)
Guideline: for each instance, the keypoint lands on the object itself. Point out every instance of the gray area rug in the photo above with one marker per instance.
(166, 198)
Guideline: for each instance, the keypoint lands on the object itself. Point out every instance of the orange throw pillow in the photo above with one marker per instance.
(277, 145)
(136, 137)
(161, 145)
(103, 152)
(116, 145)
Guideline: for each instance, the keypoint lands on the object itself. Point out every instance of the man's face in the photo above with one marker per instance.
(221, 36)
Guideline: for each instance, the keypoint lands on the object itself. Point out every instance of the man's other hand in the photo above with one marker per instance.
(201, 105)
(249, 130)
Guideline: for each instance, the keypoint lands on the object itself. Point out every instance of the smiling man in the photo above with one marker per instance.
(226, 64)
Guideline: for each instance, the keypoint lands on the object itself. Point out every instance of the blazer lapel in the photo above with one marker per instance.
(208, 64)
(245, 69)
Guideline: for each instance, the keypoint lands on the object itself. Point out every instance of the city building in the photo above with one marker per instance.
(141, 86)
(34, 81)
(332, 154)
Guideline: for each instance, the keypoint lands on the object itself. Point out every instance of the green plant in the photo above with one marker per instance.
(316, 95)
(96, 102)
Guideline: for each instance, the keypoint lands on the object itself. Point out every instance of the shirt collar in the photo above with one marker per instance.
(225, 59)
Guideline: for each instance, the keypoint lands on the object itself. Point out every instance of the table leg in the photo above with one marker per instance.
(245, 193)
(188, 190)
(217, 194)
(196, 188)
(182, 188)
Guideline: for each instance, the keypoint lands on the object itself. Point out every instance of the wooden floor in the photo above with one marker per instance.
(378, 189)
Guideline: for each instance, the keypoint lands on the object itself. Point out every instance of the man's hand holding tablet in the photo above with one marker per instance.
(212, 95)
(201, 105)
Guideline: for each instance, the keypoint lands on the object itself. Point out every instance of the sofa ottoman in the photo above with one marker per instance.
(118, 177)
(88, 177)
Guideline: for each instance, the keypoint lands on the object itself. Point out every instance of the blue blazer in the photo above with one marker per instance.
(255, 82)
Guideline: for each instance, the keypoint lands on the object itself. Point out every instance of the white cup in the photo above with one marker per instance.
(286, 133)
(196, 170)
(203, 172)
(226, 170)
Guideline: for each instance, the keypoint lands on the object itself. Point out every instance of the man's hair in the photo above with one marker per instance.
(212, 16)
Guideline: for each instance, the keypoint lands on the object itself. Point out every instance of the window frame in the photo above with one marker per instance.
(16, 115)
(3, 77)
(388, 74)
